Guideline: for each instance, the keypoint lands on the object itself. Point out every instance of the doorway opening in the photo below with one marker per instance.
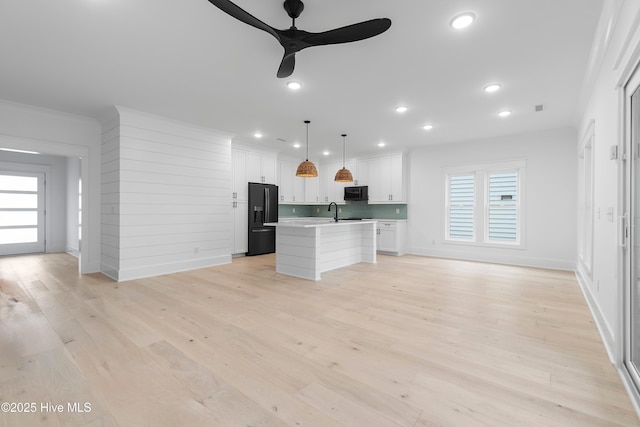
(22, 212)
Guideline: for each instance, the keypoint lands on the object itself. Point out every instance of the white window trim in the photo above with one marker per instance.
(481, 172)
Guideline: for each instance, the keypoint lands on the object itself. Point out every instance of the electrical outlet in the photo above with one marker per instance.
(339, 210)
(397, 211)
(293, 210)
(317, 210)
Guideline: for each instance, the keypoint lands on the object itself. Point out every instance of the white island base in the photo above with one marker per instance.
(307, 248)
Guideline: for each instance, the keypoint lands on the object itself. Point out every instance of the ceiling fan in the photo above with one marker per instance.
(294, 40)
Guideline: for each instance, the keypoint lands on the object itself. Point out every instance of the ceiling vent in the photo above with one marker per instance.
(539, 108)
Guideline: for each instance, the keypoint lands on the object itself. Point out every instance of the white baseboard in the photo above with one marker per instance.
(474, 255)
(632, 391)
(606, 333)
(158, 270)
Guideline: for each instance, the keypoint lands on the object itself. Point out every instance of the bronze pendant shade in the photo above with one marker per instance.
(307, 169)
(344, 174)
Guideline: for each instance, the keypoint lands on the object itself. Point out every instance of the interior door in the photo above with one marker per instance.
(22, 212)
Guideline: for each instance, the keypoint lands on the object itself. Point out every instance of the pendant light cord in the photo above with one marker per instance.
(307, 123)
(344, 149)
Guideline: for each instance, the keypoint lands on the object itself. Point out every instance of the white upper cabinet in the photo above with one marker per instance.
(240, 183)
(385, 176)
(386, 179)
(361, 172)
(293, 189)
(331, 191)
(285, 181)
(250, 166)
(261, 168)
(311, 189)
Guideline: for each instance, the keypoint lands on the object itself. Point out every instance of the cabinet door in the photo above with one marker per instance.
(386, 182)
(311, 189)
(268, 169)
(396, 189)
(285, 181)
(239, 184)
(323, 184)
(361, 173)
(254, 167)
(378, 180)
(240, 228)
(298, 187)
(387, 237)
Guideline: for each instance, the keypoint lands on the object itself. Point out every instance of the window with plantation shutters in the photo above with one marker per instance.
(484, 204)
(461, 207)
(502, 207)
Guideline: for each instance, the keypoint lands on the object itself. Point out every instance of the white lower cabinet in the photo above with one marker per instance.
(240, 229)
(391, 236)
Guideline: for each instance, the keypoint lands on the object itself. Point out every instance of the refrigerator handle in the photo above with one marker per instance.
(267, 200)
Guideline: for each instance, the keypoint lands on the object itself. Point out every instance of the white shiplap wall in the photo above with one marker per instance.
(165, 196)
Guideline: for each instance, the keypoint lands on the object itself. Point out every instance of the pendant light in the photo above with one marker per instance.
(307, 169)
(344, 174)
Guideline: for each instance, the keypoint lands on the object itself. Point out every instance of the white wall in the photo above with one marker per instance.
(550, 197)
(166, 189)
(51, 132)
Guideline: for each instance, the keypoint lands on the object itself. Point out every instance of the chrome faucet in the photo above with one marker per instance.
(336, 215)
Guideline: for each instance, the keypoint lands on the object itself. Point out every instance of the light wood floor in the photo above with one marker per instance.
(410, 341)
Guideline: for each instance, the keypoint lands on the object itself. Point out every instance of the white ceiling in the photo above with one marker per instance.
(187, 60)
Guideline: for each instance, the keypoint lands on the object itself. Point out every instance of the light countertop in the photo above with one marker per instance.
(319, 222)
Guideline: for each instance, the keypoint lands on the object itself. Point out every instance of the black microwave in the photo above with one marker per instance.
(356, 193)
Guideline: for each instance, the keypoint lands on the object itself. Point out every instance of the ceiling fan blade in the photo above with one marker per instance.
(350, 33)
(287, 65)
(244, 16)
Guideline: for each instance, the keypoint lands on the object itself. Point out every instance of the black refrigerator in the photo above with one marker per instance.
(263, 207)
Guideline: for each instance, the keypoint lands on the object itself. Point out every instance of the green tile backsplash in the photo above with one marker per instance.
(353, 209)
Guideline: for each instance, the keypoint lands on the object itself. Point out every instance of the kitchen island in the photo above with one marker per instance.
(307, 248)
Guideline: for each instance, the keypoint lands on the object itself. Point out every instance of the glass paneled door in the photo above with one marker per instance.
(632, 291)
(22, 211)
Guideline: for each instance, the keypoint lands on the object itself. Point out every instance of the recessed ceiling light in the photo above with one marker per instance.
(294, 85)
(381, 144)
(504, 113)
(401, 109)
(326, 153)
(492, 87)
(19, 151)
(296, 145)
(427, 127)
(463, 20)
(257, 135)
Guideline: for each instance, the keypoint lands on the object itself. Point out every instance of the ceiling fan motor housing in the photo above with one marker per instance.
(294, 8)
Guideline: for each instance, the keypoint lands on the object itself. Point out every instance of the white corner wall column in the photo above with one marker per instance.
(165, 195)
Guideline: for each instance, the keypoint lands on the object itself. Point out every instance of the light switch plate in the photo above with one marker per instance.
(613, 152)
